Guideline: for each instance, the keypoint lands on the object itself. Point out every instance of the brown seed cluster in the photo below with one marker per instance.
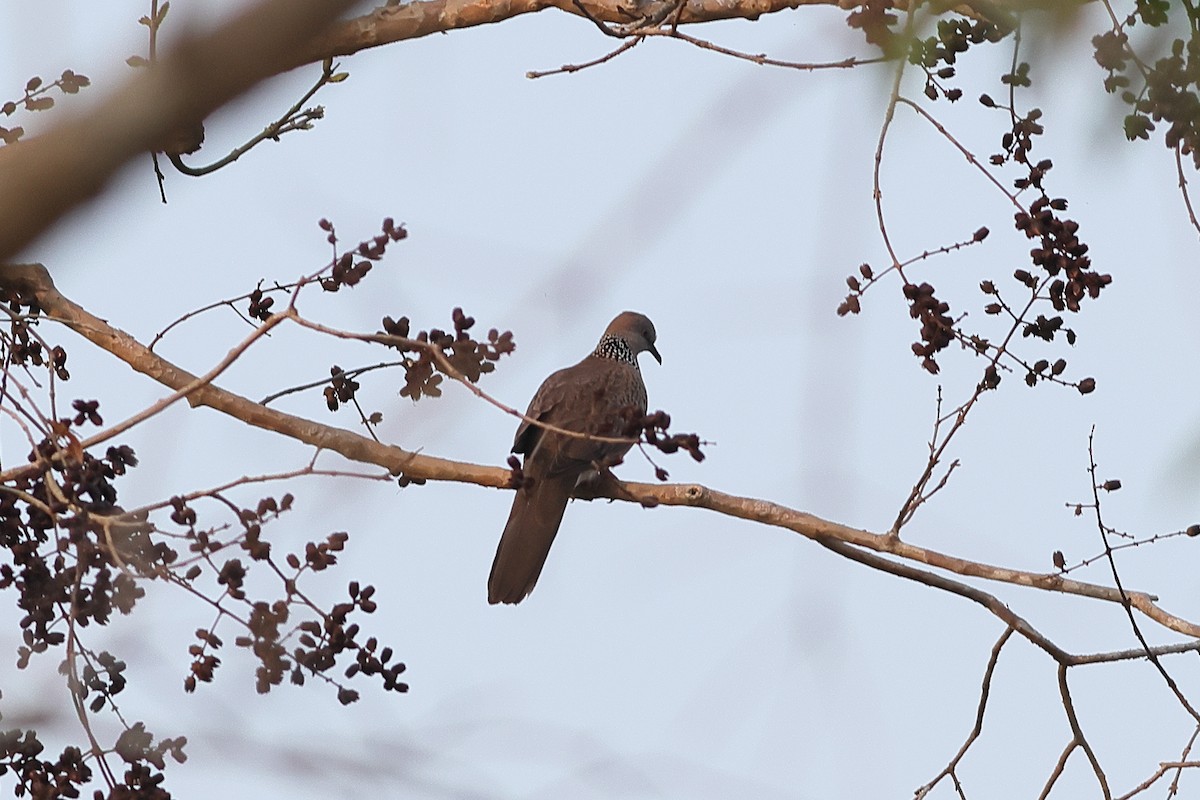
(351, 267)
(21, 757)
(22, 345)
(73, 557)
(37, 98)
(341, 388)
(1060, 254)
(937, 54)
(1169, 86)
(71, 554)
(937, 327)
(652, 429)
(319, 643)
(469, 357)
(347, 269)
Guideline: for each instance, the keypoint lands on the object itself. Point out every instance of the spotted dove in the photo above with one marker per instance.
(593, 396)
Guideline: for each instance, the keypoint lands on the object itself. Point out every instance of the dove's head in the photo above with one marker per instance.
(636, 331)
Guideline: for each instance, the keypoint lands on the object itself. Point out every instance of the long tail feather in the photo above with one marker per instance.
(537, 511)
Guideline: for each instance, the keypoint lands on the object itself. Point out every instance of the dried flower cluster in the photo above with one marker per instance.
(455, 353)
(1168, 90)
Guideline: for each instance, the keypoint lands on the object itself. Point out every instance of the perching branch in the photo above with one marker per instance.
(36, 280)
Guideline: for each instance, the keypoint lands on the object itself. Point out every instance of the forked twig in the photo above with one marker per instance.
(985, 690)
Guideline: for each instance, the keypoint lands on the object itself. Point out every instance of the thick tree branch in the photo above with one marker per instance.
(397, 22)
(412, 20)
(44, 177)
(35, 279)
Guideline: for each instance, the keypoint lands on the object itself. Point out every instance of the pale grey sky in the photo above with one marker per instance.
(666, 653)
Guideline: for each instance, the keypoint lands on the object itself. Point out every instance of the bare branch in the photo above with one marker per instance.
(395, 21)
(35, 279)
(1136, 653)
(1080, 739)
(295, 118)
(566, 69)
(984, 691)
(412, 20)
(445, 366)
(42, 178)
(1165, 767)
(1183, 188)
(988, 601)
(762, 59)
(354, 447)
(1112, 563)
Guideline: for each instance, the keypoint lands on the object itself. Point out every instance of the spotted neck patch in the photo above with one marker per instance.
(615, 348)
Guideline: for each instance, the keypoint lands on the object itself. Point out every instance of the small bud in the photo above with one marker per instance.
(849, 306)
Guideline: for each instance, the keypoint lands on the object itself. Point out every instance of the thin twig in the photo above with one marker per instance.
(1183, 762)
(761, 59)
(988, 601)
(204, 380)
(349, 373)
(446, 367)
(1059, 766)
(1183, 187)
(1165, 767)
(1125, 603)
(1103, 555)
(72, 161)
(984, 692)
(247, 480)
(565, 69)
(285, 123)
(1077, 729)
